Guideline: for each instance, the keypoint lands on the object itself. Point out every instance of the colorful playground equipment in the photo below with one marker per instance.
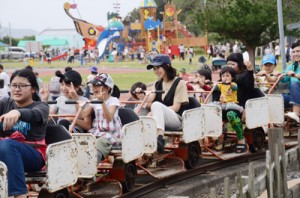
(153, 34)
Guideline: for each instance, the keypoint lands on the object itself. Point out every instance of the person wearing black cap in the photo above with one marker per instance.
(167, 107)
(71, 91)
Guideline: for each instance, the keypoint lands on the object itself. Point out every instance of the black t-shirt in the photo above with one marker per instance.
(245, 83)
(32, 122)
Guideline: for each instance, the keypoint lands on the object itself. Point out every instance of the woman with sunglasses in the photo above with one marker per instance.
(23, 120)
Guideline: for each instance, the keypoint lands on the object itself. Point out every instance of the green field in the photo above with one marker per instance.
(124, 81)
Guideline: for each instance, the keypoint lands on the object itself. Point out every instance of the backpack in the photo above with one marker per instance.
(1, 83)
(54, 86)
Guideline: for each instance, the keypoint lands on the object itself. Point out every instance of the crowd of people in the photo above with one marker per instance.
(24, 112)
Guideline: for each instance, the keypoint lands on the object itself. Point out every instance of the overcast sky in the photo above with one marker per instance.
(41, 14)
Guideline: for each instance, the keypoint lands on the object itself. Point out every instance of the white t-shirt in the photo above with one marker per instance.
(62, 108)
(101, 127)
(4, 91)
(277, 50)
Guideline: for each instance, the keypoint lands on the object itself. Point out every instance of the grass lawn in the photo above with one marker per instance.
(124, 81)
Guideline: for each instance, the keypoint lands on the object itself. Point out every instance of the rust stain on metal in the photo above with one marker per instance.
(2, 171)
(83, 143)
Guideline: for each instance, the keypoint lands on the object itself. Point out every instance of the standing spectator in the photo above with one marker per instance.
(210, 51)
(181, 50)
(71, 56)
(96, 54)
(41, 56)
(54, 85)
(277, 51)
(48, 57)
(236, 48)
(81, 56)
(89, 88)
(39, 80)
(4, 78)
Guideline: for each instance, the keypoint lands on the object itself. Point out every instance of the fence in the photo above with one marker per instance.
(274, 178)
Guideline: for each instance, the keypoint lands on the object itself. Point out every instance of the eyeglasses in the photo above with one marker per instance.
(20, 86)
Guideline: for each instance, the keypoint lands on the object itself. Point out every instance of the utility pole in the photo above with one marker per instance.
(281, 33)
(9, 32)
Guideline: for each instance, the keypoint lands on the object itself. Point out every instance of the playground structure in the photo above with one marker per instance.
(153, 34)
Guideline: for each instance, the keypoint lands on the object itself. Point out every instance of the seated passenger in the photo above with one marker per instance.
(292, 73)
(228, 89)
(107, 123)
(70, 87)
(202, 82)
(23, 121)
(267, 74)
(167, 107)
(138, 97)
(244, 79)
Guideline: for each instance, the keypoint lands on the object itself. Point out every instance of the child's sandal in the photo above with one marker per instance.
(241, 148)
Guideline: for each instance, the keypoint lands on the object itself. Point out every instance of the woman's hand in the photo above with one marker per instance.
(248, 65)
(290, 73)
(10, 119)
(73, 93)
(44, 93)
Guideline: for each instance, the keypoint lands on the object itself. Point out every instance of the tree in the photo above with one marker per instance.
(253, 22)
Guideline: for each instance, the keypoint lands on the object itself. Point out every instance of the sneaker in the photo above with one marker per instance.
(293, 116)
(160, 144)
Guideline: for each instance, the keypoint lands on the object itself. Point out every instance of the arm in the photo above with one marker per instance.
(249, 80)
(181, 96)
(233, 86)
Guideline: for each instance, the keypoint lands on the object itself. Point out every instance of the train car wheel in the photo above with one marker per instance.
(193, 155)
(64, 193)
(130, 174)
(258, 140)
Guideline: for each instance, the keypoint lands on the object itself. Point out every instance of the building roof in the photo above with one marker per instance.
(148, 4)
(3, 45)
(55, 42)
(22, 43)
(293, 26)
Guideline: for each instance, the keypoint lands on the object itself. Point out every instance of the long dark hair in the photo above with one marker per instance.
(136, 85)
(238, 58)
(29, 75)
(170, 71)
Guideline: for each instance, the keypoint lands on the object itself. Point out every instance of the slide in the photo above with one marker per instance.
(61, 56)
(104, 39)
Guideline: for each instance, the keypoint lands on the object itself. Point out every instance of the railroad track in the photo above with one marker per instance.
(201, 169)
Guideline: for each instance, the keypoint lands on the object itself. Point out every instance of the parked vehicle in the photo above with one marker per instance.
(16, 53)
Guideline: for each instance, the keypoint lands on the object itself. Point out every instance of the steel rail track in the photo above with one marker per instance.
(148, 188)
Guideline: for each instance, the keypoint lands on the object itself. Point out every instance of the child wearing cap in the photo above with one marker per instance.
(71, 91)
(183, 75)
(89, 88)
(167, 107)
(267, 74)
(107, 124)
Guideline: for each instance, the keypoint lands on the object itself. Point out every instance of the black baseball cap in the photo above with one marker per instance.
(71, 76)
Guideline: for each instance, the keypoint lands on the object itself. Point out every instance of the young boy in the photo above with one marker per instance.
(202, 82)
(267, 74)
